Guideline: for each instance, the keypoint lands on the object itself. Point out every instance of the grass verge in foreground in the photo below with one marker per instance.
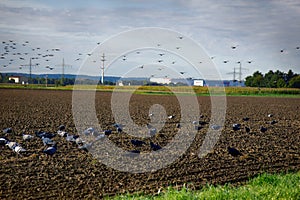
(265, 186)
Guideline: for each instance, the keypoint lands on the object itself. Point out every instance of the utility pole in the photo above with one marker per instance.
(63, 65)
(240, 70)
(103, 61)
(30, 70)
(234, 74)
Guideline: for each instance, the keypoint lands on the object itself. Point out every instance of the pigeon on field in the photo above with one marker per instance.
(27, 137)
(89, 131)
(152, 131)
(41, 134)
(119, 129)
(273, 122)
(12, 145)
(202, 123)
(234, 152)
(215, 127)
(154, 147)
(51, 150)
(116, 125)
(79, 141)
(195, 122)
(3, 141)
(107, 132)
(178, 125)
(270, 115)
(7, 130)
(263, 129)
(71, 138)
(236, 127)
(47, 141)
(62, 133)
(137, 142)
(171, 117)
(247, 129)
(19, 149)
(61, 128)
(246, 118)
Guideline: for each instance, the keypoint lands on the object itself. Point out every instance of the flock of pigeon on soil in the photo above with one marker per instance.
(51, 146)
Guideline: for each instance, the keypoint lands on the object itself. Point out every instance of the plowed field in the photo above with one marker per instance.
(75, 174)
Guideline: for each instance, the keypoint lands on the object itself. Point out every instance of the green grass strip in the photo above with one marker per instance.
(264, 187)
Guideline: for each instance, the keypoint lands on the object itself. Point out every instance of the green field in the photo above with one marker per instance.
(163, 90)
(265, 186)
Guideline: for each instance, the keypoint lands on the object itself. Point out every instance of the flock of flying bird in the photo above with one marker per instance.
(91, 135)
(13, 52)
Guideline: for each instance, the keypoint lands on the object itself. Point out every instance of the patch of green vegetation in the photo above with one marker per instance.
(265, 186)
(177, 90)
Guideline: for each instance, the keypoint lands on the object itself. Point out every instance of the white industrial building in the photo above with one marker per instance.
(160, 80)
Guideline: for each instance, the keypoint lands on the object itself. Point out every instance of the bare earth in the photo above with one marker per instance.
(74, 174)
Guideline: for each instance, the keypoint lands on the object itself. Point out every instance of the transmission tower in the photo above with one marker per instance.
(30, 70)
(63, 65)
(234, 74)
(240, 70)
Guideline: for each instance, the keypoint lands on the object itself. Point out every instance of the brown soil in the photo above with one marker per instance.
(74, 174)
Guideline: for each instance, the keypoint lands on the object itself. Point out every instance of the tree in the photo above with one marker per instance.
(258, 79)
(249, 80)
(280, 83)
(295, 82)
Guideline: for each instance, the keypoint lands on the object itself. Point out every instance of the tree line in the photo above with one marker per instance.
(273, 79)
(4, 78)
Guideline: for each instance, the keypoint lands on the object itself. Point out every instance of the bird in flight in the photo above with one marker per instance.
(234, 47)
(180, 37)
(225, 61)
(161, 54)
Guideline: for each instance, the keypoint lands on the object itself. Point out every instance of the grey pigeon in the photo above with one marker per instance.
(47, 141)
(27, 137)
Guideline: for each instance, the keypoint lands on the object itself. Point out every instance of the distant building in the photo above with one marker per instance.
(160, 80)
(199, 82)
(19, 79)
(182, 81)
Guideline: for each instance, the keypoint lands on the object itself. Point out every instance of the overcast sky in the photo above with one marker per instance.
(259, 28)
